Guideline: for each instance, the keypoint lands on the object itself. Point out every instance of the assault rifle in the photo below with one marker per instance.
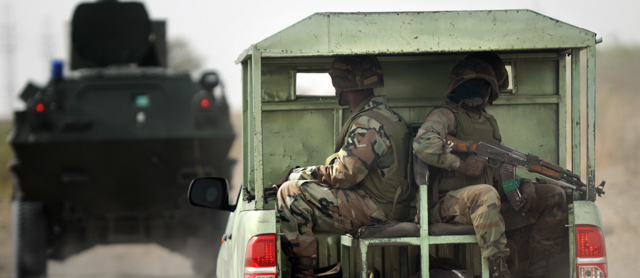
(509, 159)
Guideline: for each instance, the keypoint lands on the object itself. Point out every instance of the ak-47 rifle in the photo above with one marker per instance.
(509, 159)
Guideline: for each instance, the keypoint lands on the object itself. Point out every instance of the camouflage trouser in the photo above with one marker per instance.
(305, 207)
(542, 229)
(477, 205)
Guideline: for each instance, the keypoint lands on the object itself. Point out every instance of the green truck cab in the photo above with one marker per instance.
(540, 113)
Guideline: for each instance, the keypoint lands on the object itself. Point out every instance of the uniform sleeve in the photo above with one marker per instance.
(366, 143)
(429, 145)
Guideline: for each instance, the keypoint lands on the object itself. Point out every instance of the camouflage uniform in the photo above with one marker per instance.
(341, 197)
(482, 202)
(474, 204)
(429, 147)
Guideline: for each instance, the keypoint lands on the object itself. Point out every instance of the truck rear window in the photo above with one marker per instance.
(314, 84)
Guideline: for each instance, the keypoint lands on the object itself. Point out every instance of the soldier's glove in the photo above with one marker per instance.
(528, 198)
(473, 166)
(286, 177)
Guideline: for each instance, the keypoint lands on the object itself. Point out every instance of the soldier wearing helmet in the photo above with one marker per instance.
(363, 183)
(468, 189)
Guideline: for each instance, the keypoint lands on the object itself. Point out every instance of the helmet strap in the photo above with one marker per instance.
(339, 95)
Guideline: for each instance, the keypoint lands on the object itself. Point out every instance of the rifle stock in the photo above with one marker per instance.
(459, 146)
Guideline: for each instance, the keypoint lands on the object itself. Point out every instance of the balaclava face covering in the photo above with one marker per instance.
(473, 92)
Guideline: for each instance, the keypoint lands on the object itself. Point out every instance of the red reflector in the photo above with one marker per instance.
(204, 103)
(261, 251)
(260, 275)
(590, 242)
(40, 108)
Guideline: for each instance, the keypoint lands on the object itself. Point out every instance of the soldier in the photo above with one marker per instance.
(365, 182)
(468, 189)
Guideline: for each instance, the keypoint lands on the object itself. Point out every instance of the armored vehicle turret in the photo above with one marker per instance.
(105, 154)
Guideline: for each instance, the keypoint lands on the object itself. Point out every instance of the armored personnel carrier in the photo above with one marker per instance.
(105, 154)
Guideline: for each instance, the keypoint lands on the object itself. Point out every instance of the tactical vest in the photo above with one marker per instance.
(395, 185)
(469, 128)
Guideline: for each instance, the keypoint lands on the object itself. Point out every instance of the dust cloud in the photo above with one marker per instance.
(618, 154)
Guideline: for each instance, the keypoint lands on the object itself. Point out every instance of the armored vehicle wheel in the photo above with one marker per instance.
(29, 236)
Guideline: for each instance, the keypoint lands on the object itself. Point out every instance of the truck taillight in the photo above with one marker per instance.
(261, 260)
(591, 252)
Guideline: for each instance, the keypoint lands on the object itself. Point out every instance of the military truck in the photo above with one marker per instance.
(105, 153)
(540, 113)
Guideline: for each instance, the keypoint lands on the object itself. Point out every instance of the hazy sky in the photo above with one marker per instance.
(220, 30)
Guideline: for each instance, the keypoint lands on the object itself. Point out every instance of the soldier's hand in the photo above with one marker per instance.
(528, 198)
(473, 166)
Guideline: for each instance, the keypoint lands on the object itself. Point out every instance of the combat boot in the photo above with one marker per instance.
(302, 268)
(498, 267)
(538, 264)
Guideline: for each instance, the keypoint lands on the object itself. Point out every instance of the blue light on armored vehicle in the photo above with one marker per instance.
(57, 67)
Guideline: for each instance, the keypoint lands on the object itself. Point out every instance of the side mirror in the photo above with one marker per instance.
(210, 192)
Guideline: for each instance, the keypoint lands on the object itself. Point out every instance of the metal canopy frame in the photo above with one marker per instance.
(388, 33)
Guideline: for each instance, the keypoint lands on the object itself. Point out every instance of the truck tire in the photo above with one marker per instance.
(29, 238)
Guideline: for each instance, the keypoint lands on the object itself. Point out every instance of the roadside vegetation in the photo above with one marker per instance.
(5, 155)
(5, 201)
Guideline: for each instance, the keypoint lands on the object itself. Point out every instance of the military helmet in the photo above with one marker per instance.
(502, 76)
(355, 73)
(473, 68)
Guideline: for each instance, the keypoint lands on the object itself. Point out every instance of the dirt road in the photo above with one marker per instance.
(123, 261)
